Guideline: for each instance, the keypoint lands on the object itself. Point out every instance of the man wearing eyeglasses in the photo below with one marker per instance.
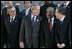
(11, 28)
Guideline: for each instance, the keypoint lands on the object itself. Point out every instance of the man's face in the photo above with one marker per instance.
(48, 13)
(27, 4)
(12, 12)
(36, 10)
(57, 14)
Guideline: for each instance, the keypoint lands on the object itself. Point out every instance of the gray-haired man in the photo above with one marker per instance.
(29, 32)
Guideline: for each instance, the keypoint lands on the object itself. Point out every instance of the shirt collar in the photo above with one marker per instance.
(28, 8)
(33, 16)
(6, 5)
(67, 3)
(62, 18)
(12, 17)
(51, 19)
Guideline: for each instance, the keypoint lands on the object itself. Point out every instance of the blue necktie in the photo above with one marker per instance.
(60, 22)
(33, 21)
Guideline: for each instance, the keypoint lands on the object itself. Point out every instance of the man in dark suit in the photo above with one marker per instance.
(27, 10)
(45, 6)
(47, 33)
(29, 32)
(62, 28)
(67, 6)
(12, 27)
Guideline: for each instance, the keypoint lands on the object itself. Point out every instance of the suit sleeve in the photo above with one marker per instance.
(56, 33)
(64, 36)
(21, 35)
(42, 41)
(70, 32)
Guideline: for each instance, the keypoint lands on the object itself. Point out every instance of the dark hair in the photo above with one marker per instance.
(61, 10)
(30, 2)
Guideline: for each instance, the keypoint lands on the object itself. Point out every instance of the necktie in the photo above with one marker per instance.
(33, 21)
(65, 6)
(60, 22)
(50, 25)
(11, 20)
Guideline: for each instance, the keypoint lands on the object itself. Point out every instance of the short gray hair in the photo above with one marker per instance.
(52, 11)
(9, 7)
(34, 5)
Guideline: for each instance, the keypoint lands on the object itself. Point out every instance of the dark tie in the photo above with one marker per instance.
(33, 21)
(50, 25)
(11, 19)
(60, 22)
(64, 5)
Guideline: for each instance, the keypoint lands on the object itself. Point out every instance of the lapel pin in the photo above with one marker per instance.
(37, 20)
(15, 20)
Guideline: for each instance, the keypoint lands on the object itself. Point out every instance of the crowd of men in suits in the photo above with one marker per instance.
(45, 26)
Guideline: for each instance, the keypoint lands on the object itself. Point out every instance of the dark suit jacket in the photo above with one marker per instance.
(2, 41)
(62, 35)
(11, 30)
(47, 38)
(23, 12)
(28, 34)
(44, 8)
(70, 33)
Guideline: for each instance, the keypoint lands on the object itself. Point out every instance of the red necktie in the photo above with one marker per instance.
(50, 25)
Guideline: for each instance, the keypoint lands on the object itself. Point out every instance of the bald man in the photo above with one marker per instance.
(11, 28)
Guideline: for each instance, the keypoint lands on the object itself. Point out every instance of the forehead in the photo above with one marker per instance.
(37, 7)
(50, 8)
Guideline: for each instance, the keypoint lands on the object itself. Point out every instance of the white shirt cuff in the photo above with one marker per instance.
(63, 44)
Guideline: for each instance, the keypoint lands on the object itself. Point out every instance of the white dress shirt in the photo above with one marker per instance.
(11, 18)
(67, 3)
(34, 18)
(27, 11)
(62, 19)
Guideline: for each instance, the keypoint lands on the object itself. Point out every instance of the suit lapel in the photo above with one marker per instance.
(16, 19)
(8, 20)
(29, 20)
(37, 22)
(29, 12)
(46, 25)
(68, 6)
